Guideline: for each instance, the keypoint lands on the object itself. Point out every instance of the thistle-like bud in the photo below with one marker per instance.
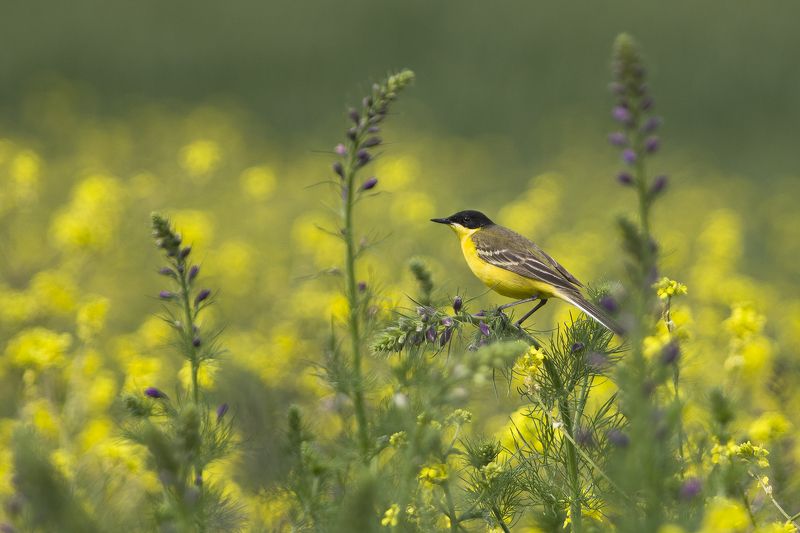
(201, 296)
(458, 303)
(651, 144)
(625, 178)
(165, 237)
(340, 149)
(691, 488)
(372, 141)
(185, 252)
(618, 438)
(338, 168)
(622, 115)
(221, 411)
(152, 392)
(485, 331)
(430, 334)
(166, 271)
(369, 184)
(629, 156)
(659, 184)
(617, 138)
(354, 115)
(445, 337)
(193, 272)
(166, 295)
(364, 157)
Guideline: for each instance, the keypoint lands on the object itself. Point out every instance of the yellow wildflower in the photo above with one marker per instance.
(196, 227)
(200, 157)
(38, 348)
(54, 291)
(434, 473)
(745, 321)
(398, 439)
(258, 182)
(91, 318)
(390, 516)
(769, 426)
(24, 171)
(528, 365)
(776, 527)
(667, 288)
(724, 515)
(90, 219)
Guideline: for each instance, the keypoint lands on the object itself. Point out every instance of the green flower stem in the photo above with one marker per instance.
(188, 330)
(500, 520)
(351, 290)
(451, 507)
(572, 454)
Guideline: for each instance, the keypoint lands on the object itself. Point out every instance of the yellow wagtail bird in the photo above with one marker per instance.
(513, 266)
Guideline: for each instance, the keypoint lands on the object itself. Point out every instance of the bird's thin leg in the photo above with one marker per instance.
(512, 304)
(519, 322)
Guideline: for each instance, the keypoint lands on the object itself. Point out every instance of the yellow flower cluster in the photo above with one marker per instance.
(433, 473)
(528, 365)
(667, 288)
(745, 451)
(390, 516)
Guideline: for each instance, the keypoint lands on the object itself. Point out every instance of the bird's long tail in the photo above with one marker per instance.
(591, 310)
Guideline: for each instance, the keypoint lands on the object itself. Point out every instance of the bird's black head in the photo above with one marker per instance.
(467, 219)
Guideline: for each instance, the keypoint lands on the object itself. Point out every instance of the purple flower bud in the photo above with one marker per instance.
(485, 331)
(354, 115)
(625, 178)
(221, 411)
(622, 115)
(362, 286)
(351, 134)
(617, 138)
(372, 141)
(445, 338)
(373, 129)
(196, 342)
(608, 303)
(152, 392)
(369, 184)
(584, 437)
(670, 353)
(339, 169)
(629, 156)
(201, 296)
(340, 149)
(430, 334)
(166, 295)
(577, 347)
(185, 252)
(659, 184)
(651, 124)
(193, 272)
(458, 303)
(166, 271)
(647, 102)
(618, 438)
(363, 157)
(651, 144)
(447, 321)
(691, 488)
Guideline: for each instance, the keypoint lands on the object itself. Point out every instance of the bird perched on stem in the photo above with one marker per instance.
(513, 266)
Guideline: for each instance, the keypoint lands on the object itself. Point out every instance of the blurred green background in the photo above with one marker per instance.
(223, 114)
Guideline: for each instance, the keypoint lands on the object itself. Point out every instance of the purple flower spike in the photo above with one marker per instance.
(340, 149)
(221, 410)
(193, 272)
(625, 178)
(458, 303)
(166, 295)
(369, 184)
(629, 156)
(152, 392)
(617, 138)
(202, 295)
(485, 331)
(622, 115)
(651, 144)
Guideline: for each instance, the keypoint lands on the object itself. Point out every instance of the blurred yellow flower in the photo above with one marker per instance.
(745, 320)
(433, 473)
(92, 317)
(96, 431)
(90, 220)
(724, 515)
(41, 414)
(666, 288)
(412, 207)
(38, 348)
(390, 516)
(196, 227)
(54, 291)
(24, 172)
(200, 157)
(397, 172)
(769, 426)
(64, 462)
(258, 183)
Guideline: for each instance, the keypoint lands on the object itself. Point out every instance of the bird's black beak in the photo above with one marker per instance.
(441, 221)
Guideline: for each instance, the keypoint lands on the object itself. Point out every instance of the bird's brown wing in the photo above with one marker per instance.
(508, 250)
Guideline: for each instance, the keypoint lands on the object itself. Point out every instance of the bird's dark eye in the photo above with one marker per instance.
(466, 219)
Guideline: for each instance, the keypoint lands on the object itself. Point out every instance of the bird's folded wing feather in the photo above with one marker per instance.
(505, 249)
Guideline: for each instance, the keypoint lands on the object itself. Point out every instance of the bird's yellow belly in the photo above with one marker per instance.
(501, 280)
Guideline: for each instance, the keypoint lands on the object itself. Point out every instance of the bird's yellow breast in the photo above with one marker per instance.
(499, 279)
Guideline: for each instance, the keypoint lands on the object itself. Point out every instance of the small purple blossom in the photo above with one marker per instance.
(445, 337)
(364, 157)
(447, 321)
(185, 252)
(622, 115)
(372, 141)
(202, 295)
(608, 303)
(659, 184)
(221, 410)
(152, 392)
(651, 144)
(198, 480)
(651, 124)
(625, 178)
(373, 129)
(629, 156)
(166, 271)
(618, 438)
(577, 347)
(340, 149)
(196, 342)
(166, 295)
(691, 488)
(339, 169)
(485, 331)
(193, 272)
(430, 334)
(351, 134)
(458, 303)
(670, 353)
(617, 138)
(369, 184)
(354, 115)
(362, 286)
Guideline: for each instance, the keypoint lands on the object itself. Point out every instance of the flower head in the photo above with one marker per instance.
(156, 394)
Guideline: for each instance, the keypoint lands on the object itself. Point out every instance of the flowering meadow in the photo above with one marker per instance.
(202, 329)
